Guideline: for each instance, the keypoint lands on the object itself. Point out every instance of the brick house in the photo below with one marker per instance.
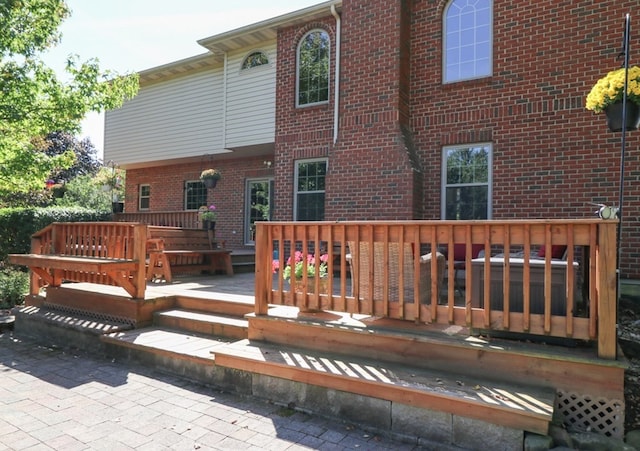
(390, 110)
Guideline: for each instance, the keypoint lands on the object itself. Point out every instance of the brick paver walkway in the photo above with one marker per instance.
(52, 399)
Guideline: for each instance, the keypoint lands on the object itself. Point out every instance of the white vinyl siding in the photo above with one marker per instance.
(177, 118)
(251, 100)
(189, 116)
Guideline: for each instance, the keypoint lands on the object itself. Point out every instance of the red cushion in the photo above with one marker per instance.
(460, 251)
(557, 251)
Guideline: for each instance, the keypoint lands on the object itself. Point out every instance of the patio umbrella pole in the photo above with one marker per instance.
(623, 144)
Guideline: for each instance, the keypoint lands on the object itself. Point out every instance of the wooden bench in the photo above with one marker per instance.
(175, 249)
(107, 253)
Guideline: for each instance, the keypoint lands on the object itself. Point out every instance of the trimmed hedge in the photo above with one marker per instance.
(18, 224)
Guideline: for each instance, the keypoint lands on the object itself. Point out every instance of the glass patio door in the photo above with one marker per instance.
(259, 198)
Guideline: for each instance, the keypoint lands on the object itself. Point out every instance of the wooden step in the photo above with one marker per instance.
(169, 344)
(513, 406)
(203, 323)
(450, 349)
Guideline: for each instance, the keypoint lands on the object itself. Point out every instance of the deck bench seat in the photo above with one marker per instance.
(175, 249)
(102, 252)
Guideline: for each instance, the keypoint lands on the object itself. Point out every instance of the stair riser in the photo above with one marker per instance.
(225, 307)
(202, 327)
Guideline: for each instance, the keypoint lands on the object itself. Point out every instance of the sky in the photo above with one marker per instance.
(133, 35)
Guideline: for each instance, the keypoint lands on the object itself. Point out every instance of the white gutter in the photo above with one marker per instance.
(336, 100)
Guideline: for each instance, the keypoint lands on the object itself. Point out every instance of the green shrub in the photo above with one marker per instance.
(14, 285)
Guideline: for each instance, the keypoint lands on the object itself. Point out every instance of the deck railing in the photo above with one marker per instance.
(384, 269)
(184, 219)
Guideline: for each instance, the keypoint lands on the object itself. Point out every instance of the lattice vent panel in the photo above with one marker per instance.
(99, 317)
(586, 413)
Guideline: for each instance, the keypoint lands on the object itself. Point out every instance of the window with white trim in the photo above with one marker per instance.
(466, 178)
(312, 85)
(255, 59)
(310, 176)
(468, 40)
(195, 194)
(144, 197)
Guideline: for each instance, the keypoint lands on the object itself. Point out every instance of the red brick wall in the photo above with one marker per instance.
(370, 173)
(551, 156)
(228, 196)
(300, 132)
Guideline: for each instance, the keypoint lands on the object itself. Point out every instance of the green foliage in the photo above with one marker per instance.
(83, 191)
(86, 156)
(34, 103)
(18, 224)
(14, 285)
(41, 198)
(112, 179)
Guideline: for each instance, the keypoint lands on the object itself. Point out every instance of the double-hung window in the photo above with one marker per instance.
(144, 197)
(310, 190)
(466, 175)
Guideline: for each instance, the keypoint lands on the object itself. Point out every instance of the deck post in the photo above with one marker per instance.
(607, 303)
(263, 265)
(139, 255)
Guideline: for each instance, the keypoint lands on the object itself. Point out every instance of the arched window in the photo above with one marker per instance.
(468, 40)
(313, 68)
(255, 59)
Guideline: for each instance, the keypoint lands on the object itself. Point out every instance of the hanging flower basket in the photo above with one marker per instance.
(614, 116)
(607, 95)
(210, 177)
(210, 183)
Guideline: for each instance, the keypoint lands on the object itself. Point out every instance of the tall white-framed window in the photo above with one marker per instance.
(195, 194)
(468, 40)
(312, 68)
(466, 181)
(309, 195)
(144, 197)
(255, 59)
(258, 202)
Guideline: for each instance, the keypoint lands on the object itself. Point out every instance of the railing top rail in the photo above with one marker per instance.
(156, 212)
(441, 222)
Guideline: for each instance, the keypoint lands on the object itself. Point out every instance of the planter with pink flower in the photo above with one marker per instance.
(315, 266)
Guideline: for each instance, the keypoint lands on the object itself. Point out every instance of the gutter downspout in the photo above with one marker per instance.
(224, 102)
(336, 100)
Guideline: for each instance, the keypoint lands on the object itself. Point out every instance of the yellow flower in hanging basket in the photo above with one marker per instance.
(610, 89)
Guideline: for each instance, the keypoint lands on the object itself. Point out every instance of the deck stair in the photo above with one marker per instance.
(181, 338)
(403, 379)
(442, 385)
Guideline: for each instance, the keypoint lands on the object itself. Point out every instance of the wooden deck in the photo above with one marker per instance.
(399, 364)
(202, 327)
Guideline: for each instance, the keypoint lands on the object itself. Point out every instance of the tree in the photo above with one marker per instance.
(34, 103)
(85, 191)
(86, 156)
